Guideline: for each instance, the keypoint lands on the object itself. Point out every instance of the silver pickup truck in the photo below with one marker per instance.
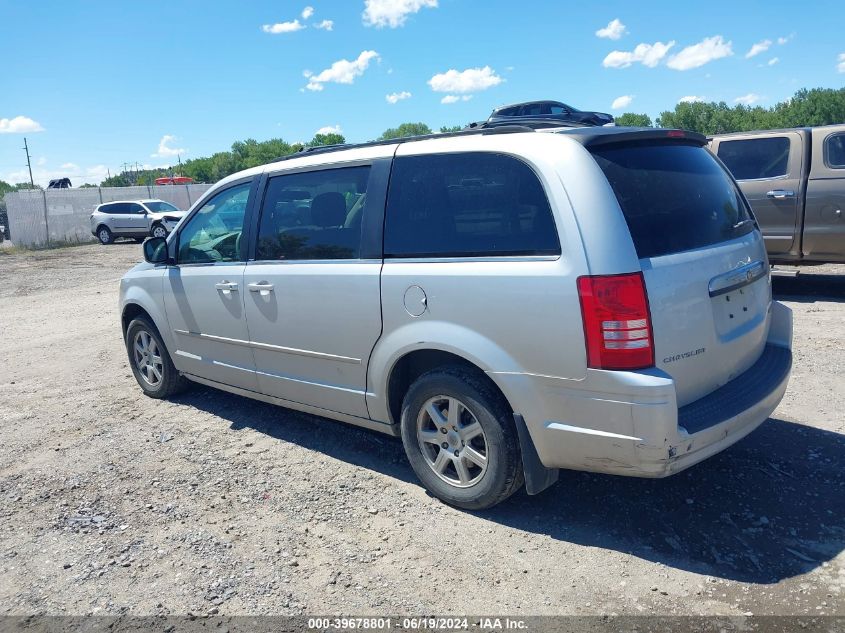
(795, 182)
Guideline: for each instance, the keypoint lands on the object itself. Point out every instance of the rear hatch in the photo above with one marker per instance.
(701, 253)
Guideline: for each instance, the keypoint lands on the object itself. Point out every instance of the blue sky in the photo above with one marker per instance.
(95, 84)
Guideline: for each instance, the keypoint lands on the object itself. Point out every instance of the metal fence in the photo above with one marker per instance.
(62, 216)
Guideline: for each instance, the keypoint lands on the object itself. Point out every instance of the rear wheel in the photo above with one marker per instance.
(105, 235)
(150, 361)
(460, 438)
(158, 230)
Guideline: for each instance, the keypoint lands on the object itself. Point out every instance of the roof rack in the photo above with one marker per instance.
(535, 124)
(467, 131)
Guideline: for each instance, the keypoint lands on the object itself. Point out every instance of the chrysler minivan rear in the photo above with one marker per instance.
(689, 353)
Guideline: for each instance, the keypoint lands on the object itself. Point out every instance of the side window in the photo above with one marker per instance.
(559, 109)
(834, 151)
(213, 234)
(471, 204)
(313, 215)
(755, 158)
(134, 208)
(119, 208)
(108, 209)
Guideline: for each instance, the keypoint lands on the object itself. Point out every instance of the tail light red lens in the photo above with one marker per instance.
(617, 323)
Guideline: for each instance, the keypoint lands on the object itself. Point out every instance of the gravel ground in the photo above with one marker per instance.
(115, 503)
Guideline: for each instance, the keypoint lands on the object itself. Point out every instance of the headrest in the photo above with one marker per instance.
(328, 209)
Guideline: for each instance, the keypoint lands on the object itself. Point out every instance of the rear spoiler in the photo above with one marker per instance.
(597, 136)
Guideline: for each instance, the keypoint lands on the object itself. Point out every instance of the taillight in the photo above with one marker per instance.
(617, 324)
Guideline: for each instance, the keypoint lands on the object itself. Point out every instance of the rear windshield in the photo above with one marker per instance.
(675, 197)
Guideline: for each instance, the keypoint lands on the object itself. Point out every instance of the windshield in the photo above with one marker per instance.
(160, 207)
(674, 197)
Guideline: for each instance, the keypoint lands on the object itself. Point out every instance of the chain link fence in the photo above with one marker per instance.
(57, 217)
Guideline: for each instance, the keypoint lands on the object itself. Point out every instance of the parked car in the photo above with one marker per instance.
(510, 304)
(174, 180)
(59, 183)
(138, 219)
(795, 182)
(551, 110)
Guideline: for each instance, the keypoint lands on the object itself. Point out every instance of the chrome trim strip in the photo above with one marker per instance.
(737, 278)
(271, 348)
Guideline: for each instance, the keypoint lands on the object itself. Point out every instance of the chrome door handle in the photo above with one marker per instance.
(780, 194)
(226, 286)
(263, 287)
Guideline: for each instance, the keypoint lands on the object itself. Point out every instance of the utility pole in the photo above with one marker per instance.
(28, 163)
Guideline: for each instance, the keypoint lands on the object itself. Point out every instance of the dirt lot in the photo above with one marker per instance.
(116, 503)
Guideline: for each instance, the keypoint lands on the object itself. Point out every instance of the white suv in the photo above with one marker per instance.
(134, 218)
(509, 303)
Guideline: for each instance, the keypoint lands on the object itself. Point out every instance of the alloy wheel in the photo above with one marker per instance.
(452, 441)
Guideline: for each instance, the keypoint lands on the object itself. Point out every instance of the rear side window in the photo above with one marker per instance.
(313, 215)
(756, 158)
(674, 197)
(835, 151)
(470, 204)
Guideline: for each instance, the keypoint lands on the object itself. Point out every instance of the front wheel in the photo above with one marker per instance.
(150, 361)
(104, 235)
(460, 438)
(158, 231)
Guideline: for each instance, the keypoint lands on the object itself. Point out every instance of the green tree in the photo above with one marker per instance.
(445, 129)
(631, 119)
(25, 185)
(5, 188)
(406, 129)
(327, 139)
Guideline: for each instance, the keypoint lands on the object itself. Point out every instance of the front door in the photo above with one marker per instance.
(203, 293)
(312, 295)
(769, 173)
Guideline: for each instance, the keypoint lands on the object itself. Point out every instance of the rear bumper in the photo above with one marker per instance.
(628, 423)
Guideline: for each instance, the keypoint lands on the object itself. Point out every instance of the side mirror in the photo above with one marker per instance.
(155, 250)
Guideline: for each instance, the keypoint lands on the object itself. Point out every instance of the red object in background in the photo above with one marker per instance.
(175, 180)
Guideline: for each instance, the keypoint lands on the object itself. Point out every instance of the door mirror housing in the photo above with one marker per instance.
(155, 250)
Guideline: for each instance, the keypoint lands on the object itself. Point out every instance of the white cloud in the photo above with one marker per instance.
(283, 27)
(70, 166)
(773, 61)
(759, 47)
(469, 80)
(704, 52)
(165, 150)
(455, 98)
(395, 97)
(19, 125)
(621, 102)
(41, 161)
(326, 25)
(392, 13)
(747, 99)
(646, 54)
(613, 31)
(342, 71)
(690, 99)
(784, 40)
(330, 129)
(840, 66)
(307, 12)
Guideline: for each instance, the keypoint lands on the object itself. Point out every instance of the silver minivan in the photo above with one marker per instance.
(508, 302)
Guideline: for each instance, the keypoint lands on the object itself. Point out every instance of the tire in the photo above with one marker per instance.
(157, 378)
(104, 235)
(158, 230)
(480, 407)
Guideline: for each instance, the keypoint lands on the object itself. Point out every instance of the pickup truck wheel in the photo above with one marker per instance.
(104, 235)
(460, 438)
(158, 230)
(150, 361)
